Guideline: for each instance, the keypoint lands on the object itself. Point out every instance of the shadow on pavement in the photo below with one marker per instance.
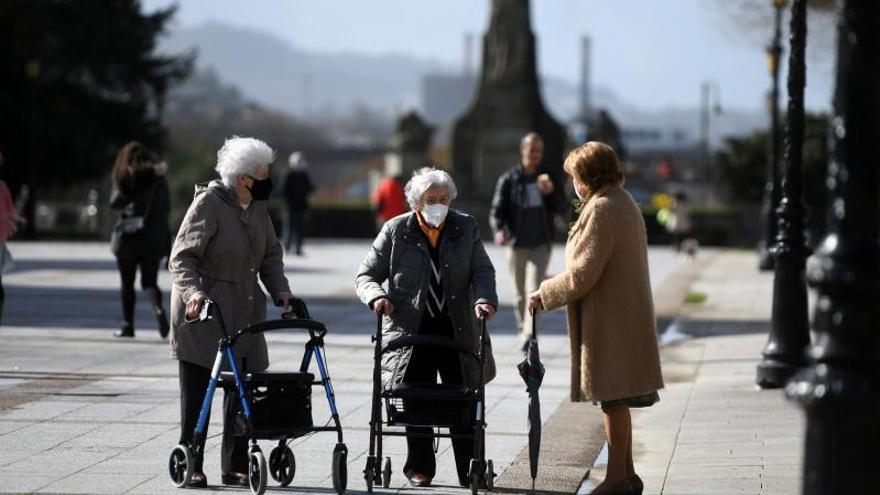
(91, 308)
(104, 264)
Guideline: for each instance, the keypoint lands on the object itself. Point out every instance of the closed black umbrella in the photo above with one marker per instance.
(532, 372)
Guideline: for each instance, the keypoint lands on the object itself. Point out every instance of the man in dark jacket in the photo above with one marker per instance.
(523, 206)
(297, 187)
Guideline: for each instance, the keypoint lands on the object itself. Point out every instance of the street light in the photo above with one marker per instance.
(785, 352)
(707, 90)
(772, 188)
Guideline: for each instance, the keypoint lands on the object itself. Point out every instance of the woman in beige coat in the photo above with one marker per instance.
(607, 291)
(225, 247)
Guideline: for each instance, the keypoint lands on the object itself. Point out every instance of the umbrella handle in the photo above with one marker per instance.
(534, 323)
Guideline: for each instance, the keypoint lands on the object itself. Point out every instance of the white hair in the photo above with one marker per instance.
(241, 156)
(297, 159)
(424, 179)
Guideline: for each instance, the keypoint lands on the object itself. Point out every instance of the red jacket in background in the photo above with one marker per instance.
(389, 199)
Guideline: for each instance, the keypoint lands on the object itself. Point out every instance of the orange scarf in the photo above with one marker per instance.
(432, 233)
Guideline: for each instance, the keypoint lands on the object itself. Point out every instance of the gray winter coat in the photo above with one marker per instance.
(400, 256)
(220, 250)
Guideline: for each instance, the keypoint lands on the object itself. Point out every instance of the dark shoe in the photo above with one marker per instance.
(162, 320)
(234, 479)
(198, 480)
(637, 485)
(127, 331)
(622, 487)
(418, 479)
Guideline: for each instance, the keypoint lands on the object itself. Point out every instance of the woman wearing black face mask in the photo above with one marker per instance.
(225, 247)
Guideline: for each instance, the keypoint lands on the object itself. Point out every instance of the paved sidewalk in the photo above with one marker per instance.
(714, 431)
(81, 412)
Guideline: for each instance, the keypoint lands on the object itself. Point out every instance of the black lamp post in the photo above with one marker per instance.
(840, 391)
(785, 352)
(772, 188)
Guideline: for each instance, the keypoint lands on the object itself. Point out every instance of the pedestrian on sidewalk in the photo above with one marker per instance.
(678, 224)
(140, 237)
(225, 247)
(297, 188)
(9, 222)
(607, 291)
(525, 200)
(440, 280)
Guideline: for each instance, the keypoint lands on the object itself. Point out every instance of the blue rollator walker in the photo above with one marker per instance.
(274, 405)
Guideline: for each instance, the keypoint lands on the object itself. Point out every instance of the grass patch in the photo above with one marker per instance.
(695, 298)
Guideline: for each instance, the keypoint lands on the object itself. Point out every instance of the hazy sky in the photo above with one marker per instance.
(652, 53)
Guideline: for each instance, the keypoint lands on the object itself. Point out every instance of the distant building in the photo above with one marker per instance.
(638, 139)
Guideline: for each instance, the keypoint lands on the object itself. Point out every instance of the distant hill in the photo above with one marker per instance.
(323, 87)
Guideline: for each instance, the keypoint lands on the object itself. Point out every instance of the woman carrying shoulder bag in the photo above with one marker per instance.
(140, 237)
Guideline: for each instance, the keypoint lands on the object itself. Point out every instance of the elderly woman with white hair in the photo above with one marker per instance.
(440, 280)
(226, 245)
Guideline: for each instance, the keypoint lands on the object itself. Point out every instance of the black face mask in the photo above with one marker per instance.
(261, 189)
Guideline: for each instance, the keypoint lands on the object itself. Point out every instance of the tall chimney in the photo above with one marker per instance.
(468, 51)
(585, 78)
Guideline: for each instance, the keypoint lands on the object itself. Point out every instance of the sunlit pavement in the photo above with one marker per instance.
(82, 412)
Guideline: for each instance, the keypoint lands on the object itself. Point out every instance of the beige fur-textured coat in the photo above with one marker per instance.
(607, 290)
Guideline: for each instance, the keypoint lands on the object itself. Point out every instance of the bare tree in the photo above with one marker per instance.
(751, 22)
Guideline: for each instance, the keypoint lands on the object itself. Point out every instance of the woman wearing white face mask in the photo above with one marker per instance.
(439, 281)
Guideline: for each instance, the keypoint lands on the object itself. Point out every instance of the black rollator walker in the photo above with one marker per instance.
(435, 405)
(274, 405)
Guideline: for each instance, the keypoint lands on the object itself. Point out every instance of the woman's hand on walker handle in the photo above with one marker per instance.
(194, 305)
(535, 302)
(383, 306)
(484, 309)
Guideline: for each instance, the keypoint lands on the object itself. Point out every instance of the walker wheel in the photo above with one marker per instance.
(340, 468)
(370, 473)
(386, 472)
(180, 466)
(475, 474)
(257, 472)
(282, 465)
(490, 475)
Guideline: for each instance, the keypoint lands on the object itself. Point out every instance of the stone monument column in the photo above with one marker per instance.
(486, 139)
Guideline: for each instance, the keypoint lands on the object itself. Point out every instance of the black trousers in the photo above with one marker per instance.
(296, 219)
(149, 274)
(423, 367)
(193, 385)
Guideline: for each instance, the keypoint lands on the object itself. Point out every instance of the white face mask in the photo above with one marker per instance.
(579, 195)
(435, 214)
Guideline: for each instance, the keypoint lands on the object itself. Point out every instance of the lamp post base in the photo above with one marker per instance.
(766, 260)
(773, 373)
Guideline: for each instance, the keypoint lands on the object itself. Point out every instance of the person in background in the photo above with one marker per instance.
(9, 222)
(140, 237)
(522, 218)
(225, 248)
(297, 187)
(389, 200)
(678, 223)
(606, 288)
